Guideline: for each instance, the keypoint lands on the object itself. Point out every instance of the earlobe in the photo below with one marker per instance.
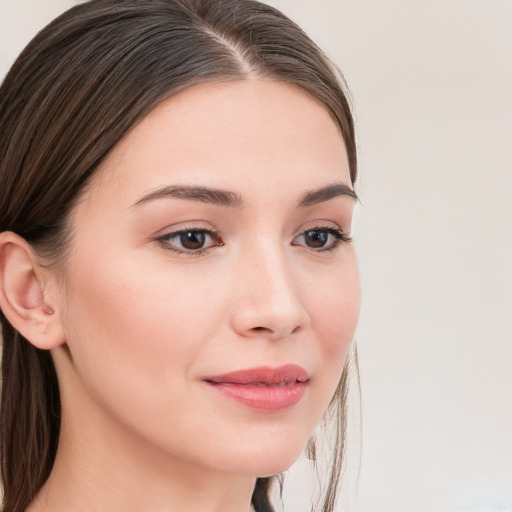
(22, 294)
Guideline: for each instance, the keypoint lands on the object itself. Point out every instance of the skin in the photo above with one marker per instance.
(142, 324)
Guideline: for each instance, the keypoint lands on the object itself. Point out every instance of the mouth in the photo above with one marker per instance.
(263, 388)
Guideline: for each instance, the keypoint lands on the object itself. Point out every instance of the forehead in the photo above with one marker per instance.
(233, 134)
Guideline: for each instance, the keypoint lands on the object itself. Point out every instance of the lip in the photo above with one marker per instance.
(263, 388)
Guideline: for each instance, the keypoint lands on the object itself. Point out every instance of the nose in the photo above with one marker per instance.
(268, 302)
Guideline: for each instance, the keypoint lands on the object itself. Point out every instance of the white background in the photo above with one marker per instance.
(432, 87)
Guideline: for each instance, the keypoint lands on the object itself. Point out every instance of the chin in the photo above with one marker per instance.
(262, 459)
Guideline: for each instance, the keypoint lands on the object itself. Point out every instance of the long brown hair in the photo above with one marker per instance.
(72, 94)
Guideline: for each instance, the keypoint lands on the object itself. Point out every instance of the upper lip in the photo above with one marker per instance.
(262, 375)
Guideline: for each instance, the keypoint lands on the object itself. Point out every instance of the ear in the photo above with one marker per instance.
(26, 303)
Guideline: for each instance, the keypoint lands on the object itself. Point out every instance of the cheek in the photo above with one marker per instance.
(334, 307)
(133, 345)
(138, 324)
(334, 313)
(128, 334)
(135, 304)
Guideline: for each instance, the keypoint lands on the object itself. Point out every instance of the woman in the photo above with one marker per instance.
(178, 285)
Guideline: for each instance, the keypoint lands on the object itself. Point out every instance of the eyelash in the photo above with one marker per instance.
(340, 237)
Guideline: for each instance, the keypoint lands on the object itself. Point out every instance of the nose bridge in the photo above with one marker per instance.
(272, 276)
(269, 299)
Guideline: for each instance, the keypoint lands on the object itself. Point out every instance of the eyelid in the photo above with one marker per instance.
(189, 225)
(323, 224)
(318, 224)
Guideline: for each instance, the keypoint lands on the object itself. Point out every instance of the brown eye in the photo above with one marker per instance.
(321, 239)
(316, 238)
(192, 240)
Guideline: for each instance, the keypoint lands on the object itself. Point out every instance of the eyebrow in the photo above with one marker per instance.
(192, 193)
(230, 199)
(325, 193)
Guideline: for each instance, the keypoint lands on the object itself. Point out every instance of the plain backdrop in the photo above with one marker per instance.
(432, 88)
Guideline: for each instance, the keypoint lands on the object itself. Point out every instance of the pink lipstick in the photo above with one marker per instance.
(264, 388)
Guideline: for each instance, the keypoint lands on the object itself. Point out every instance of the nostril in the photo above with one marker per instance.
(259, 329)
(268, 329)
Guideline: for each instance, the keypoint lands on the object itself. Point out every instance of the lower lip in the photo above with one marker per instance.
(264, 397)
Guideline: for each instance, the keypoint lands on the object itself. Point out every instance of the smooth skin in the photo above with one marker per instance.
(165, 284)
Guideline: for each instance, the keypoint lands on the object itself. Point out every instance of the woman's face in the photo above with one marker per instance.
(214, 241)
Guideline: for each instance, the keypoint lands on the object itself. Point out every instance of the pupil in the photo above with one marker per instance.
(192, 240)
(316, 238)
